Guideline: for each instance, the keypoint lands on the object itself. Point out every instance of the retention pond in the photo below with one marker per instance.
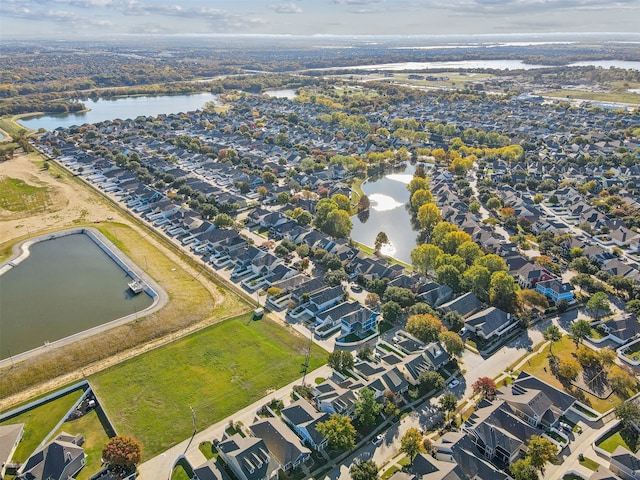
(64, 285)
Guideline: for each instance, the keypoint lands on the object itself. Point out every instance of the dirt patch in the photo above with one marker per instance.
(66, 204)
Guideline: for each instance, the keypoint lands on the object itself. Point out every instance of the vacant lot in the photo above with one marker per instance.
(217, 371)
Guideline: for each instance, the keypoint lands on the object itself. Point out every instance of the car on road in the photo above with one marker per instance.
(377, 440)
(454, 383)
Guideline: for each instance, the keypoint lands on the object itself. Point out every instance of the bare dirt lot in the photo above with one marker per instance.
(196, 299)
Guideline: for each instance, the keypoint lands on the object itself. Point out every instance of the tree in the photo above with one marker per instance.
(523, 470)
(580, 329)
(485, 387)
(494, 263)
(262, 191)
(478, 279)
(620, 380)
(494, 203)
(364, 470)
(448, 275)
(552, 334)
(430, 380)
(470, 251)
(598, 305)
(628, 413)
(530, 298)
(391, 311)
(366, 408)
(410, 442)
(633, 306)
(540, 451)
(569, 368)
(338, 224)
(339, 432)
(428, 216)
(452, 343)
(424, 257)
(122, 451)
(453, 320)
(503, 292)
(425, 328)
(342, 201)
(448, 403)
(419, 198)
(222, 220)
(372, 300)
(381, 239)
(607, 356)
(363, 203)
(340, 360)
(402, 296)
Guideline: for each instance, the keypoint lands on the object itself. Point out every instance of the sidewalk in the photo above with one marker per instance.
(159, 467)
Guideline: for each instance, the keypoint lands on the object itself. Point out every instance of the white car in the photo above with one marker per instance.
(377, 440)
(454, 383)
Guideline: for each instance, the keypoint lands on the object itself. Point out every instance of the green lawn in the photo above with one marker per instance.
(207, 450)
(95, 438)
(590, 464)
(39, 422)
(614, 96)
(615, 439)
(18, 196)
(216, 371)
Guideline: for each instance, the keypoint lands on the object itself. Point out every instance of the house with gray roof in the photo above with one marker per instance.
(248, 458)
(10, 436)
(491, 322)
(304, 418)
(283, 444)
(625, 464)
(60, 459)
(465, 305)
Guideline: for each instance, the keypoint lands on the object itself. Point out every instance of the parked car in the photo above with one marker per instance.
(454, 383)
(356, 288)
(377, 440)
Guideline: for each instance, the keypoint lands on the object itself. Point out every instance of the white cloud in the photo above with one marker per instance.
(285, 8)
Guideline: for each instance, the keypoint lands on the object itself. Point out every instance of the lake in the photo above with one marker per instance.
(287, 93)
(388, 196)
(65, 286)
(123, 108)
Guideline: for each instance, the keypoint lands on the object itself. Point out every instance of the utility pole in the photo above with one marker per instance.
(305, 365)
(195, 430)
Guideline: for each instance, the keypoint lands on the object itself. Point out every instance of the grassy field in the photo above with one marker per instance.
(18, 196)
(615, 439)
(565, 349)
(11, 126)
(217, 371)
(454, 79)
(95, 438)
(590, 464)
(614, 96)
(39, 422)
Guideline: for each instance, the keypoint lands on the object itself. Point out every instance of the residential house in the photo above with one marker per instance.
(490, 323)
(248, 458)
(530, 274)
(60, 459)
(625, 464)
(556, 290)
(283, 444)
(304, 419)
(333, 397)
(10, 436)
(359, 321)
(465, 305)
(432, 357)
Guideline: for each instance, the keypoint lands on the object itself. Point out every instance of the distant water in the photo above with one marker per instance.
(67, 285)
(483, 64)
(123, 108)
(288, 93)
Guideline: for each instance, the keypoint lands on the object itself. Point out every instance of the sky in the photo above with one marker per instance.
(90, 18)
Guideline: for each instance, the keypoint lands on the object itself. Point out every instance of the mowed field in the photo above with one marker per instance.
(216, 371)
